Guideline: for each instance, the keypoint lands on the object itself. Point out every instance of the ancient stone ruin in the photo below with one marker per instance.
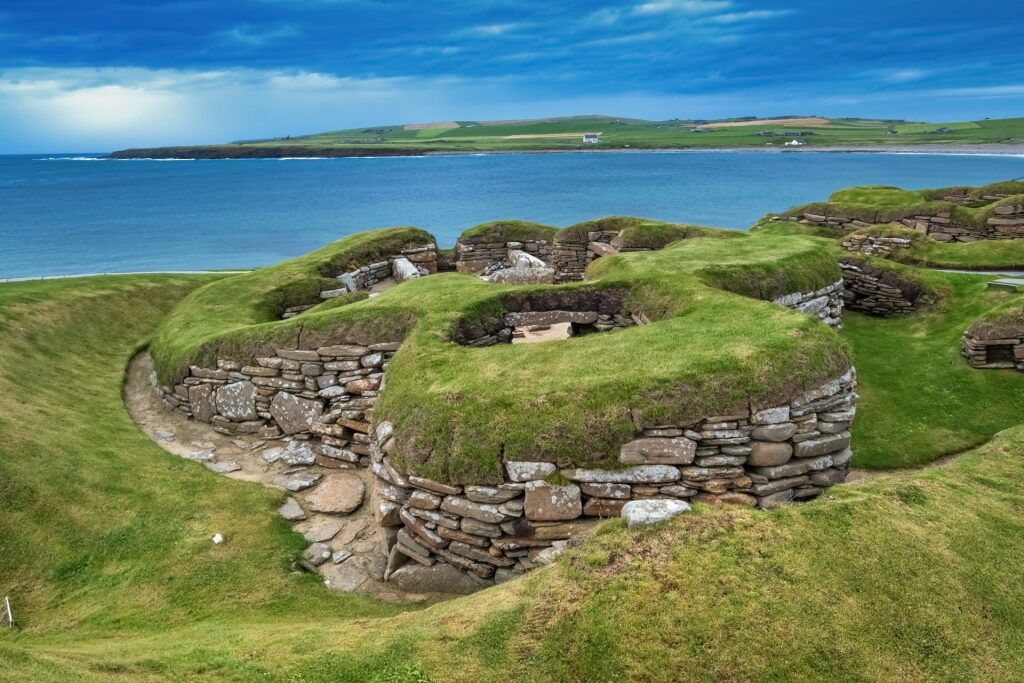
(314, 405)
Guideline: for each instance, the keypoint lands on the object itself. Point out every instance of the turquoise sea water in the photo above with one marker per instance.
(62, 214)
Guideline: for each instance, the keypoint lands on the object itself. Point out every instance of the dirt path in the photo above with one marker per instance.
(356, 562)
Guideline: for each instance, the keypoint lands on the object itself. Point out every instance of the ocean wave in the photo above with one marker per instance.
(71, 159)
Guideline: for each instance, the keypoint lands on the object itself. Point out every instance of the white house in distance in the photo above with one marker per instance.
(592, 138)
(795, 143)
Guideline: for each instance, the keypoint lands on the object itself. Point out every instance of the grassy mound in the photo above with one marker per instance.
(249, 306)
(104, 543)
(877, 204)
(460, 410)
(639, 233)
(509, 231)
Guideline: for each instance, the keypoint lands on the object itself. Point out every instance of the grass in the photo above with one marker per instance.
(104, 540)
(621, 133)
(919, 399)
(101, 531)
(460, 410)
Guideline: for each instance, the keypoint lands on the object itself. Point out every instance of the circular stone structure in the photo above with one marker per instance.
(714, 380)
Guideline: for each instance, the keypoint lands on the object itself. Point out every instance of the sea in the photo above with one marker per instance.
(72, 214)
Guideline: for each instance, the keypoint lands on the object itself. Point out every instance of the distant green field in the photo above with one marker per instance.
(624, 133)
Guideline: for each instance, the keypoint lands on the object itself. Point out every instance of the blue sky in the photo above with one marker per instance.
(105, 74)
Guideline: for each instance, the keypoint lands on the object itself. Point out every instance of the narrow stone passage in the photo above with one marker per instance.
(327, 505)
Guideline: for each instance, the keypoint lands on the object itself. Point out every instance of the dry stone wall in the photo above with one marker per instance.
(1006, 224)
(568, 259)
(325, 395)
(875, 245)
(869, 289)
(992, 353)
(763, 457)
(825, 303)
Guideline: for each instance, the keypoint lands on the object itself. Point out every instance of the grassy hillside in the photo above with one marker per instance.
(104, 547)
(619, 133)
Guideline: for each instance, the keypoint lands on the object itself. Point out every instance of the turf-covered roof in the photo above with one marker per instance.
(884, 203)
(714, 346)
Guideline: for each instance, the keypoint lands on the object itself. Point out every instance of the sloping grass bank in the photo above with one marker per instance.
(104, 545)
(101, 531)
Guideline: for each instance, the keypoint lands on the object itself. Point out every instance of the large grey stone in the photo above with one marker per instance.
(402, 269)
(520, 259)
(338, 493)
(768, 454)
(658, 451)
(294, 414)
(641, 512)
(642, 474)
(292, 511)
(775, 432)
(822, 446)
(204, 406)
(238, 401)
(438, 578)
(478, 511)
(551, 503)
(523, 276)
(529, 471)
(298, 453)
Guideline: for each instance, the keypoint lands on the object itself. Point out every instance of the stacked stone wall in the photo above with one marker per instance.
(993, 353)
(875, 245)
(761, 457)
(869, 289)
(325, 395)
(475, 254)
(1006, 224)
(825, 303)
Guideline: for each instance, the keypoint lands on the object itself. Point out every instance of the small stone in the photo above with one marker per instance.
(272, 455)
(340, 556)
(642, 512)
(317, 554)
(201, 456)
(489, 494)
(225, 467)
(298, 453)
(217, 539)
(163, 434)
(303, 481)
(658, 451)
(294, 414)
(291, 510)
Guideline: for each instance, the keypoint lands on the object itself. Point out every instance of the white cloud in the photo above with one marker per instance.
(247, 36)
(682, 6)
(752, 15)
(491, 30)
(904, 75)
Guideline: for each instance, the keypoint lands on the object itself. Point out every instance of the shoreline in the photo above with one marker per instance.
(206, 153)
